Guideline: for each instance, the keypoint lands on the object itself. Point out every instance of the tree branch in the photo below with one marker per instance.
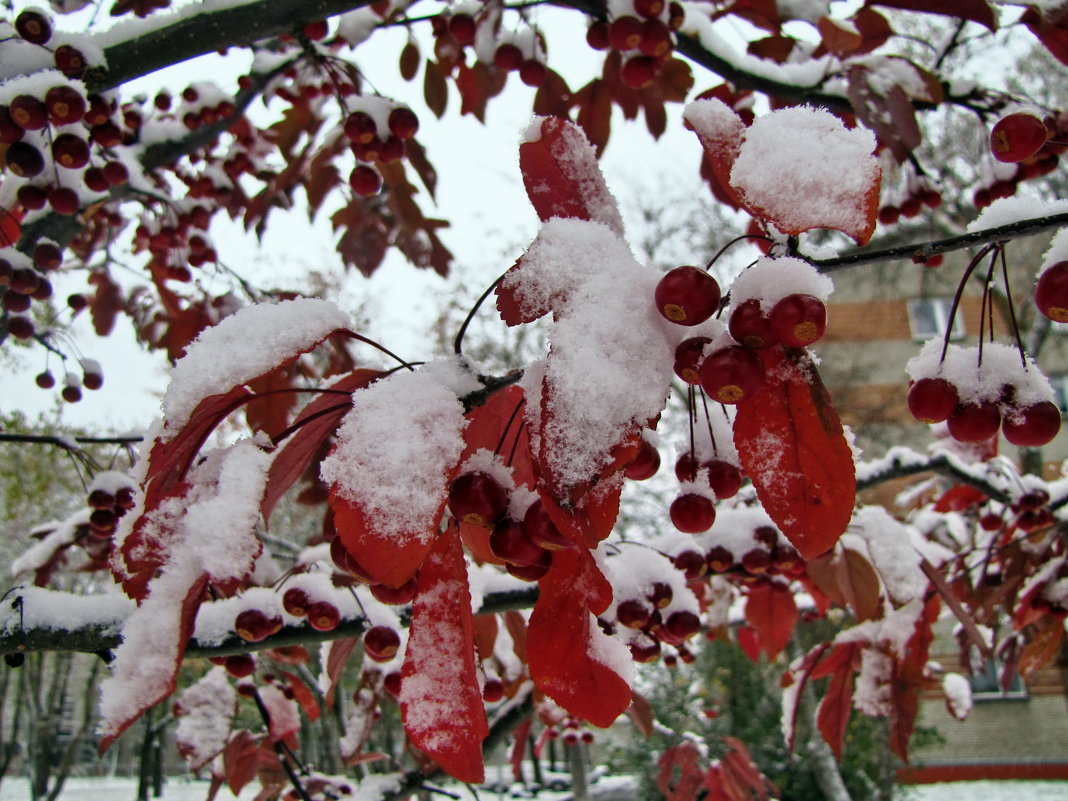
(101, 623)
(201, 33)
(921, 251)
(901, 462)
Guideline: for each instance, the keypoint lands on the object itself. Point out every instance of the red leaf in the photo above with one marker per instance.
(904, 707)
(593, 515)
(409, 61)
(721, 135)
(105, 303)
(497, 426)
(680, 776)
(387, 558)
(832, 716)
(10, 227)
(562, 177)
(791, 443)
(1050, 26)
(749, 642)
(283, 714)
(243, 758)
(959, 498)
(641, 713)
(337, 656)
(974, 10)
(323, 415)
(303, 695)
(562, 640)
(887, 112)
(771, 611)
(435, 90)
(519, 747)
(441, 700)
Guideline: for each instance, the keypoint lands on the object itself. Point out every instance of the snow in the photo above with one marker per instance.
(958, 695)
(396, 450)
(242, 347)
(889, 546)
(979, 382)
(1009, 210)
(207, 710)
(805, 169)
(770, 280)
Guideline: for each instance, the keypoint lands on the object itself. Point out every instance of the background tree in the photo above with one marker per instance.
(450, 488)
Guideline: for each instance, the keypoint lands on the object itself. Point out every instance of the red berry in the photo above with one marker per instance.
(932, 400)
(732, 374)
(323, 616)
(1051, 291)
(492, 691)
(463, 27)
(24, 159)
(534, 571)
(15, 302)
(10, 131)
(1017, 136)
(395, 596)
(688, 356)
(724, 478)
(541, 530)
(392, 150)
(255, 625)
(691, 563)
(381, 643)
(92, 380)
(660, 594)
(296, 601)
(888, 215)
(910, 207)
(316, 30)
(645, 464)
(403, 123)
(533, 73)
(346, 561)
(633, 614)
(360, 128)
(597, 36)
(116, 173)
(99, 111)
(507, 57)
(756, 561)
(70, 61)
(649, 8)
(477, 498)
(1032, 426)
(991, 522)
(692, 513)
(28, 112)
(974, 422)
(64, 105)
(750, 326)
(682, 624)
(20, 327)
(33, 26)
(719, 559)
(510, 543)
(625, 33)
(365, 180)
(644, 651)
(106, 134)
(71, 393)
(638, 72)
(63, 200)
(24, 280)
(656, 39)
(70, 151)
(45, 380)
(94, 179)
(240, 666)
(686, 467)
(687, 296)
(392, 684)
(798, 320)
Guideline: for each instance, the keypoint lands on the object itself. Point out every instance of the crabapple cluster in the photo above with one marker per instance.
(524, 541)
(377, 131)
(979, 391)
(909, 200)
(1024, 146)
(1051, 291)
(1030, 513)
(641, 31)
(471, 25)
(570, 731)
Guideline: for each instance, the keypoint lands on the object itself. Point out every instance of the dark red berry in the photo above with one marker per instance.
(649, 8)
(24, 159)
(638, 72)
(395, 596)
(323, 616)
(688, 356)
(63, 200)
(799, 320)
(116, 173)
(296, 601)
(1032, 426)
(633, 614)
(70, 151)
(240, 666)
(533, 73)
(1016, 137)
(691, 563)
(381, 643)
(682, 624)
(45, 380)
(687, 296)
(719, 559)
(477, 498)
(756, 561)
(510, 543)
(463, 28)
(33, 26)
(28, 112)
(1051, 292)
(751, 326)
(365, 180)
(645, 463)
(692, 513)
(492, 691)
(403, 123)
(95, 180)
(597, 36)
(541, 530)
(10, 131)
(70, 61)
(732, 374)
(71, 393)
(534, 571)
(507, 57)
(255, 625)
(20, 327)
(932, 400)
(625, 33)
(656, 39)
(724, 478)
(360, 128)
(974, 422)
(64, 104)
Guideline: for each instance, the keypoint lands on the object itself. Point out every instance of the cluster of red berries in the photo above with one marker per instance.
(177, 238)
(703, 481)
(524, 545)
(919, 191)
(373, 140)
(1026, 146)
(647, 624)
(643, 37)
(765, 554)
(202, 104)
(458, 29)
(570, 731)
(1010, 405)
(1030, 513)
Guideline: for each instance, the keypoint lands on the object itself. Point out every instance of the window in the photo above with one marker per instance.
(929, 318)
(986, 685)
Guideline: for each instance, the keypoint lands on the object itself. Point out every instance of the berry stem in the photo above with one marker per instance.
(736, 239)
(956, 298)
(1012, 310)
(377, 346)
(507, 426)
(458, 343)
(708, 420)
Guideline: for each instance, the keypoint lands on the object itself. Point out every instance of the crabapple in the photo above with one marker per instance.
(1018, 136)
(932, 400)
(692, 513)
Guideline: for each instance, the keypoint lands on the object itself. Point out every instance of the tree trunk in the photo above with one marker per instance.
(576, 759)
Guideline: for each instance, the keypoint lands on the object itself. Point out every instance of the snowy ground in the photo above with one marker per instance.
(115, 789)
